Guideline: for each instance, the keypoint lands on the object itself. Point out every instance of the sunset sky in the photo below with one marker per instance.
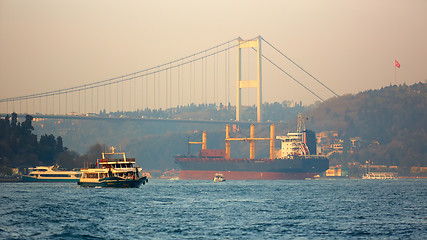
(349, 45)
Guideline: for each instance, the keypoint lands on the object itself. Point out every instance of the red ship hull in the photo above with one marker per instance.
(243, 175)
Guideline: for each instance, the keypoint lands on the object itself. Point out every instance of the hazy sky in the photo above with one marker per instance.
(349, 45)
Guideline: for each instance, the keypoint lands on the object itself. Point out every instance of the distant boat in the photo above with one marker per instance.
(113, 170)
(51, 174)
(379, 175)
(219, 178)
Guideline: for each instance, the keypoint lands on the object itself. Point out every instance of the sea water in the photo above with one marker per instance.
(178, 209)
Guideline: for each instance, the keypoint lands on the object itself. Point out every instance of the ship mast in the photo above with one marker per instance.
(301, 123)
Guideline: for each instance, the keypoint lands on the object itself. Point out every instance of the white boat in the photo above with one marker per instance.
(113, 170)
(219, 178)
(51, 174)
(379, 175)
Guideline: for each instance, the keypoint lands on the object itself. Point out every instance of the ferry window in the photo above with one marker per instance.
(55, 175)
(91, 175)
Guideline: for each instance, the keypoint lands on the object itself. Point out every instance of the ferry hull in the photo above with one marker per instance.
(241, 175)
(115, 183)
(32, 179)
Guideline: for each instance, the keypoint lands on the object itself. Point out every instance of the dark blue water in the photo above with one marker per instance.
(165, 209)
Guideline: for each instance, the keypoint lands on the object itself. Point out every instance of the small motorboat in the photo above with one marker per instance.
(219, 178)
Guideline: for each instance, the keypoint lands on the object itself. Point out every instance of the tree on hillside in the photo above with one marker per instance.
(394, 117)
(19, 147)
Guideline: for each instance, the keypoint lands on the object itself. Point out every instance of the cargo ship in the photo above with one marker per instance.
(296, 159)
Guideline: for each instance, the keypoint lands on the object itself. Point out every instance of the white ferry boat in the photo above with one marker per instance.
(113, 170)
(51, 174)
(379, 175)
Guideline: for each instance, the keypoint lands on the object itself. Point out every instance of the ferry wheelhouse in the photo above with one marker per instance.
(51, 174)
(113, 170)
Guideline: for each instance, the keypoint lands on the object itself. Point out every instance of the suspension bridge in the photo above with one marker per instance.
(217, 76)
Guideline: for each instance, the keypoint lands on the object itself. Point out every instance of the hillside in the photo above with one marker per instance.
(391, 122)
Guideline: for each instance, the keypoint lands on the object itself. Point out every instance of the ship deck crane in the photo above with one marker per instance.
(251, 141)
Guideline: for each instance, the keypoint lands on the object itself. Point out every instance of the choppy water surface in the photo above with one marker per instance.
(165, 209)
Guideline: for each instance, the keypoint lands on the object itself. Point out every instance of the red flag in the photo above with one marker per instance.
(396, 64)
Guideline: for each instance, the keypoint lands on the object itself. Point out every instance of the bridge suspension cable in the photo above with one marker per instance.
(299, 67)
(208, 84)
(281, 69)
(126, 76)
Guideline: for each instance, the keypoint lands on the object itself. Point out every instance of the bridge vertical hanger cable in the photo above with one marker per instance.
(225, 79)
(170, 87)
(84, 101)
(78, 107)
(154, 91)
(228, 75)
(158, 91)
(91, 97)
(104, 98)
(179, 86)
(146, 92)
(203, 81)
(123, 93)
(194, 79)
(130, 94)
(214, 79)
(191, 82)
(135, 98)
(166, 89)
(182, 83)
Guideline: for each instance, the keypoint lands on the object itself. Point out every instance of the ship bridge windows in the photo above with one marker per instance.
(122, 165)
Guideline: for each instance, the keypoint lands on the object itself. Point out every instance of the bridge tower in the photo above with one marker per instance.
(253, 43)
